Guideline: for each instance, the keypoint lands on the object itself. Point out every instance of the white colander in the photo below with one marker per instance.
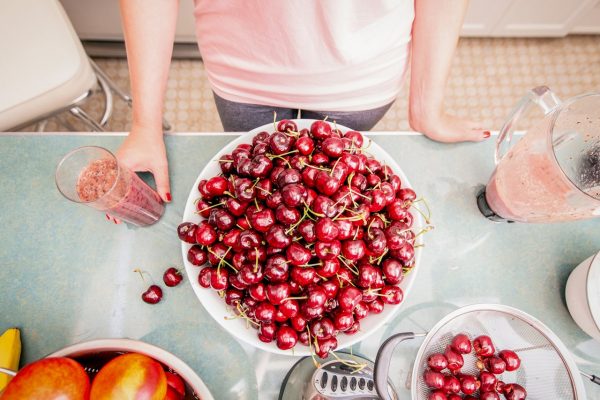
(547, 370)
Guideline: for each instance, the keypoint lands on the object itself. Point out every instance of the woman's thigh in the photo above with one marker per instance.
(359, 120)
(241, 117)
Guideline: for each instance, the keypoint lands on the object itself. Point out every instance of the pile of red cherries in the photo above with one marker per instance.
(305, 234)
(449, 386)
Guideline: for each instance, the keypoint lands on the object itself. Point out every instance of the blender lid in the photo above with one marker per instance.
(593, 289)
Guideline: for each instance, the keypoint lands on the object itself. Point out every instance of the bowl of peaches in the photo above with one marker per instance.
(107, 369)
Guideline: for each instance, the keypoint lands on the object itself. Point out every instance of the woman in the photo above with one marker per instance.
(345, 59)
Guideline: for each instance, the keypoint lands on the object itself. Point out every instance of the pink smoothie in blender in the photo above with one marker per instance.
(553, 172)
(93, 176)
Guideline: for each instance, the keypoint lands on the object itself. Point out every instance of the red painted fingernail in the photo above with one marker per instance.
(115, 221)
(486, 134)
(107, 217)
(168, 196)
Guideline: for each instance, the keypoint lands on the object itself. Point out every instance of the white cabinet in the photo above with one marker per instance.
(530, 18)
(99, 20)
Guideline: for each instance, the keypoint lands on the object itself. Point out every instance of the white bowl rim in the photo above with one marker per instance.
(297, 351)
(132, 345)
(593, 289)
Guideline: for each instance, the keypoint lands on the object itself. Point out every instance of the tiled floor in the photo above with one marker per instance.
(487, 79)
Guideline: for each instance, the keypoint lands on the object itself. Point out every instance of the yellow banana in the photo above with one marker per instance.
(10, 353)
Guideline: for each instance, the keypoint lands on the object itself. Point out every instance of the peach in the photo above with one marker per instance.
(130, 376)
(49, 379)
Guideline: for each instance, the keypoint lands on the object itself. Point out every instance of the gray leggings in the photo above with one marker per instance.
(240, 117)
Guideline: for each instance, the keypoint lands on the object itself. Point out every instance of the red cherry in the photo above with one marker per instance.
(332, 147)
(407, 194)
(289, 308)
(328, 250)
(354, 249)
(219, 278)
(392, 295)
(286, 337)
(298, 255)
(495, 365)
(299, 323)
(434, 380)
(513, 391)
(152, 295)
(320, 129)
(484, 347)
(348, 297)
(356, 138)
(512, 360)
(276, 237)
(303, 276)
(280, 143)
(437, 362)
(322, 328)
(204, 277)
(487, 381)
(187, 232)
(455, 360)
(258, 292)
(468, 384)
(265, 311)
(437, 395)
(343, 320)
(461, 344)
(278, 292)
(489, 396)
(216, 186)
(316, 297)
(451, 384)
(305, 145)
(286, 125)
(233, 296)
(392, 271)
(326, 230)
(197, 256)
(325, 346)
(205, 234)
(172, 277)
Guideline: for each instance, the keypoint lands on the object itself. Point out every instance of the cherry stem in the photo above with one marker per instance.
(275, 121)
(256, 263)
(142, 274)
(356, 367)
(208, 208)
(343, 279)
(222, 259)
(312, 351)
(281, 155)
(272, 156)
(315, 167)
(295, 298)
(311, 265)
(353, 269)
(334, 165)
(426, 217)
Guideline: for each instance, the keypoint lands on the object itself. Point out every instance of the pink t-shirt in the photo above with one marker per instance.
(327, 55)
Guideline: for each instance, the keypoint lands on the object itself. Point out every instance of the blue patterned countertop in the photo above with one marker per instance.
(66, 273)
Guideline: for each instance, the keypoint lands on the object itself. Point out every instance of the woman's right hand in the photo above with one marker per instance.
(143, 150)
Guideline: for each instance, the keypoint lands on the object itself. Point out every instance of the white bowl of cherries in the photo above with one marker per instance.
(305, 231)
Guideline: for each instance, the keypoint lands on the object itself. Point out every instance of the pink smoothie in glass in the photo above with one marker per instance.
(529, 185)
(105, 185)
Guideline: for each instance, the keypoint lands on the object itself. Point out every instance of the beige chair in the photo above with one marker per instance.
(44, 69)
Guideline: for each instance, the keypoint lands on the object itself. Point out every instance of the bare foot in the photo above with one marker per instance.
(450, 129)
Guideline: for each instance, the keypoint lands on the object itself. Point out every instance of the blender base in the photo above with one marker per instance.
(485, 209)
